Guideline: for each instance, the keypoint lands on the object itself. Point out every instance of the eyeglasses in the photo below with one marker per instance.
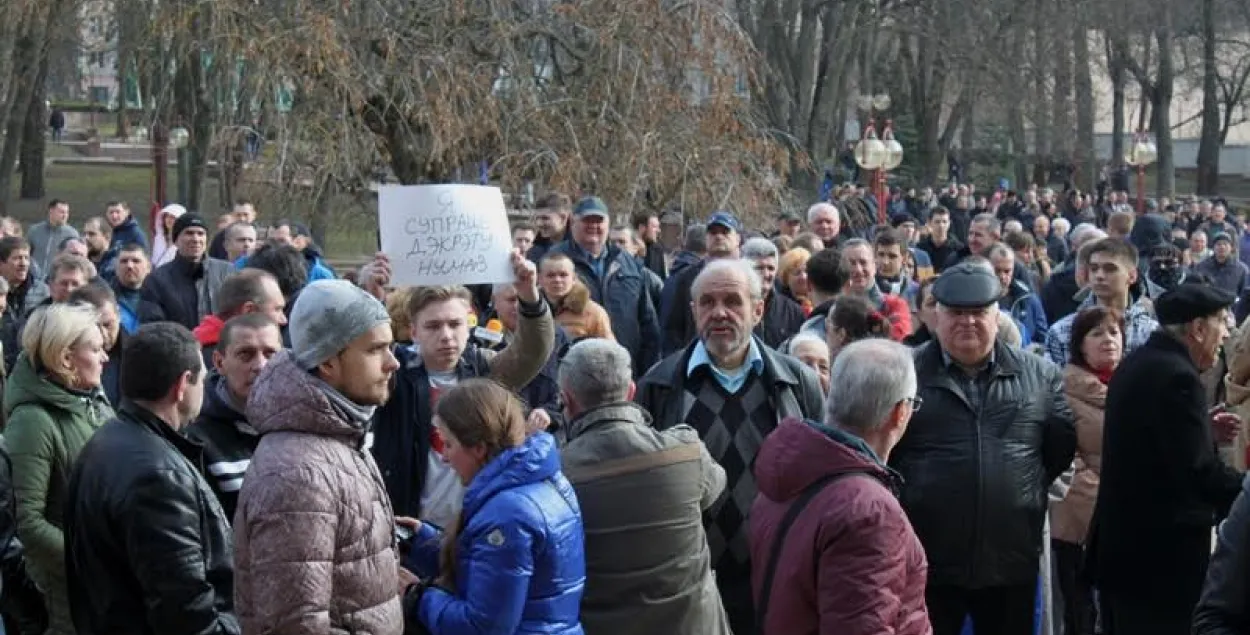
(915, 402)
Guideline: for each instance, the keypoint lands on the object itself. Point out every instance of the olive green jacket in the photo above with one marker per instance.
(48, 426)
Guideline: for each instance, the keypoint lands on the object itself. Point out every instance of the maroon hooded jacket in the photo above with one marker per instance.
(869, 569)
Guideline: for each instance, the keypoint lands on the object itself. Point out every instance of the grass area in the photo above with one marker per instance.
(88, 188)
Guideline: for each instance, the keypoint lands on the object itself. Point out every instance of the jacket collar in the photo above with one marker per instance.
(625, 412)
(1163, 341)
(1004, 362)
(137, 414)
(774, 371)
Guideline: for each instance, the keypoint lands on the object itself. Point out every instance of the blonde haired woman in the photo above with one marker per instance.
(53, 403)
(792, 272)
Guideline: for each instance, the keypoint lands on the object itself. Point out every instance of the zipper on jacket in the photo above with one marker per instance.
(977, 503)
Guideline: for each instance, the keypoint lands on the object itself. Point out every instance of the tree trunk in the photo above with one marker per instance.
(34, 141)
(1086, 158)
(1042, 124)
(25, 68)
(1119, 79)
(1209, 145)
(1165, 181)
(1062, 130)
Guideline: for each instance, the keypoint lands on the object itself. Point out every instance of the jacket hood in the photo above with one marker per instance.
(535, 460)
(26, 386)
(128, 225)
(288, 398)
(208, 333)
(799, 452)
(1150, 230)
(577, 298)
(215, 405)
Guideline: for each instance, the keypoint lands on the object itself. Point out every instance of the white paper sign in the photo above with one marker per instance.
(445, 234)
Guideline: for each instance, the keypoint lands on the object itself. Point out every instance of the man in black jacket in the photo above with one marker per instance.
(976, 462)
(245, 345)
(724, 240)
(647, 226)
(147, 546)
(1162, 483)
(551, 219)
(939, 244)
(783, 317)
(184, 290)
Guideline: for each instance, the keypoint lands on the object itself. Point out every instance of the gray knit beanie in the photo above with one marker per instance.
(327, 316)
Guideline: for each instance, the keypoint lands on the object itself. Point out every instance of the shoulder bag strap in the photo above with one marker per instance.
(792, 514)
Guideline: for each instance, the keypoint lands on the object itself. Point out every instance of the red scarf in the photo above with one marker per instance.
(1103, 376)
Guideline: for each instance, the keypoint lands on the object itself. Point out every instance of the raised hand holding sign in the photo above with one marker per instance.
(445, 234)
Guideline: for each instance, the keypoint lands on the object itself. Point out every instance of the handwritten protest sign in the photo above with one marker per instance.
(445, 234)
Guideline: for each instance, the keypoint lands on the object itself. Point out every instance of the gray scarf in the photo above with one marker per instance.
(357, 415)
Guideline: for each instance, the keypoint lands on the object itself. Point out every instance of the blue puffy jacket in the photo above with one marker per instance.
(520, 562)
(1026, 310)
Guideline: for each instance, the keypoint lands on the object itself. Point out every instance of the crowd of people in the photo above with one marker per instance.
(1004, 414)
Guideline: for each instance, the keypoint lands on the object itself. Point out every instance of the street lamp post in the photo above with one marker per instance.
(1141, 153)
(878, 155)
(179, 138)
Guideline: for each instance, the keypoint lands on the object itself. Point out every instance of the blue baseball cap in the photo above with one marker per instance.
(591, 206)
(724, 219)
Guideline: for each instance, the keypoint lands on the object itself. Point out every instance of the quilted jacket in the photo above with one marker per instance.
(314, 531)
(520, 563)
(48, 426)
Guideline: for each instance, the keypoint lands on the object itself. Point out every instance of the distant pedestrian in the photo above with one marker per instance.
(56, 121)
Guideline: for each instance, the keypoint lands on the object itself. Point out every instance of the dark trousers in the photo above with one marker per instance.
(739, 601)
(1004, 610)
(1131, 614)
(1079, 614)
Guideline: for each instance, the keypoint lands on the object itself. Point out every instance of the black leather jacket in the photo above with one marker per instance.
(148, 549)
(975, 479)
(1225, 607)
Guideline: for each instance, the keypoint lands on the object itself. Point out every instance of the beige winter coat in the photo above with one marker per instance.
(1087, 396)
(314, 531)
(1237, 393)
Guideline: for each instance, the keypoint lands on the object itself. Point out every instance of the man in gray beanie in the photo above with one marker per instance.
(314, 530)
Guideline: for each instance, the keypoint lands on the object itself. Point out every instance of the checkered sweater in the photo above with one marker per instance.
(732, 427)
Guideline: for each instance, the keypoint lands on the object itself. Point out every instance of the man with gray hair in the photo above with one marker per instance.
(783, 317)
(827, 520)
(824, 221)
(733, 390)
(648, 567)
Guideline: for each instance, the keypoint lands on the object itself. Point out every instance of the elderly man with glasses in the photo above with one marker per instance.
(977, 461)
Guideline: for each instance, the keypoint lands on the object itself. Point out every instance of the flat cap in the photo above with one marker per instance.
(790, 216)
(1222, 236)
(967, 286)
(1190, 301)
